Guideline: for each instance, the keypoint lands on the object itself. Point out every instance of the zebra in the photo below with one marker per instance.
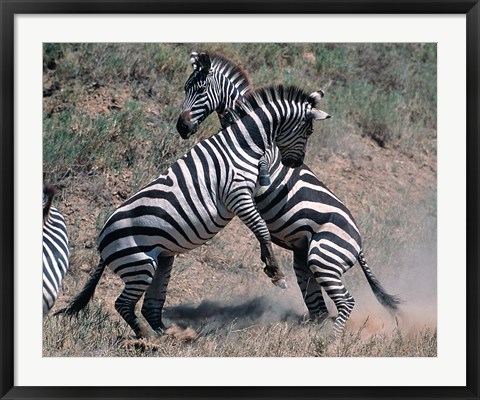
(195, 199)
(55, 249)
(233, 84)
(302, 214)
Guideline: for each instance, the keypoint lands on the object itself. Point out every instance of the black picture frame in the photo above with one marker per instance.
(11, 8)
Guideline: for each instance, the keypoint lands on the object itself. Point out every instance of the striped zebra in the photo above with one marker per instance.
(301, 213)
(55, 249)
(196, 198)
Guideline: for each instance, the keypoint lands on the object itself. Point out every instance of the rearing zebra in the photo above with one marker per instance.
(196, 198)
(55, 249)
(301, 213)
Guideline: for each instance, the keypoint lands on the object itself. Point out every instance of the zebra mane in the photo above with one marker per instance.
(232, 71)
(259, 97)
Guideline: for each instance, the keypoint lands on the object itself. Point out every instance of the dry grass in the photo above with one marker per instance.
(97, 336)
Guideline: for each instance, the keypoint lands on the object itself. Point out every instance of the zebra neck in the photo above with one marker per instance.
(226, 105)
(250, 136)
(231, 77)
(46, 217)
(230, 89)
(46, 211)
(49, 217)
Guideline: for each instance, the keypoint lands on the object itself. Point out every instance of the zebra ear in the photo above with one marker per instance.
(315, 97)
(318, 115)
(204, 61)
(194, 60)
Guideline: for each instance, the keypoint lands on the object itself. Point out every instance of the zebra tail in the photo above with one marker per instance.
(387, 300)
(81, 300)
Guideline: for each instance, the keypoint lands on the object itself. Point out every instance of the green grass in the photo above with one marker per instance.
(385, 91)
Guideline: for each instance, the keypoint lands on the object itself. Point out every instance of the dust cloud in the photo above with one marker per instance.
(414, 281)
(209, 316)
(415, 284)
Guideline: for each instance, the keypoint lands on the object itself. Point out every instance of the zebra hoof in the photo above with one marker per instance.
(280, 283)
(264, 180)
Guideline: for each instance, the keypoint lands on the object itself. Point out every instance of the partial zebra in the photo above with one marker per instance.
(197, 197)
(301, 213)
(55, 249)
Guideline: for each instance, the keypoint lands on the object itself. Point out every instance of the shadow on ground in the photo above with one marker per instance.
(210, 316)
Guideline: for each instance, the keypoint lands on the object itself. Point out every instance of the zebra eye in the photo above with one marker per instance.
(201, 89)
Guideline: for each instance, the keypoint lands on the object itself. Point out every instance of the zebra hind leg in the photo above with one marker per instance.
(156, 294)
(327, 271)
(125, 306)
(344, 302)
(136, 283)
(342, 298)
(311, 290)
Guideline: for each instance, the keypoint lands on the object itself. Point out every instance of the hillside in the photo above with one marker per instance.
(109, 128)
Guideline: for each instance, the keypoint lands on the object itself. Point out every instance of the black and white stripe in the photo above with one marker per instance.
(55, 249)
(216, 84)
(197, 197)
(301, 213)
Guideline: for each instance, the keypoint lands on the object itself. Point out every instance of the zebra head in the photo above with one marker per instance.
(197, 99)
(292, 138)
(214, 85)
(287, 115)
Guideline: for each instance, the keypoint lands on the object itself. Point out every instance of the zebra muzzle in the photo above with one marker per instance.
(185, 127)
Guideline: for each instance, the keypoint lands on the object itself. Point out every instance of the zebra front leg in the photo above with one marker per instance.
(156, 294)
(244, 207)
(311, 290)
(263, 172)
(272, 269)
